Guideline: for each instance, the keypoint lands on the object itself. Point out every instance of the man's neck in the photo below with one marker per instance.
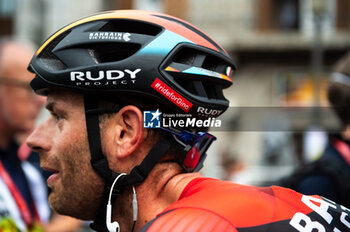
(162, 187)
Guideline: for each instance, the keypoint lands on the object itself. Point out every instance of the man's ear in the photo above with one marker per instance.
(129, 130)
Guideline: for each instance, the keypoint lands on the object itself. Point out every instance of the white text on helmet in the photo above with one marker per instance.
(208, 112)
(109, 75)
(109, 36)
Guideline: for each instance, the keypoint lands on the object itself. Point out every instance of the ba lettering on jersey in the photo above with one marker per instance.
(326, 216)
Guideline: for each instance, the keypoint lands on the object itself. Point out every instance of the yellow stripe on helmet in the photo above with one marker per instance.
(106, 15)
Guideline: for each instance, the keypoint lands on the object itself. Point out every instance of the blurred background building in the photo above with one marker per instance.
(284, 51)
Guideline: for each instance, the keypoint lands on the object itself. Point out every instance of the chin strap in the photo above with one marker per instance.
(140, 172)
(100, 164)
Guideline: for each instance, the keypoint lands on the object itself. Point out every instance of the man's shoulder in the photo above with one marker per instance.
(207, 193)
(189, 219)
(237, 202)
(208, 203)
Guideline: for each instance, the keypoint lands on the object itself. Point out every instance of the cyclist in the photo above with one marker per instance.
(328, 175)
(107, 78)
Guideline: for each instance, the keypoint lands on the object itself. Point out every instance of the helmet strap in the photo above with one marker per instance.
(140, 172)
(100, 164)
(99, 161)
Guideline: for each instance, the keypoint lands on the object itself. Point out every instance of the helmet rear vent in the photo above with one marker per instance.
(194, 57)
(131, 27)
(213, 91)
(211, 63)
(185, 56)
(206, 89)
(186, 84)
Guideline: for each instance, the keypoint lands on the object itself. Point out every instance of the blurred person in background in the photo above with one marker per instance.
(235, 169)
(23, 192)
(22, 189)
(329, 175)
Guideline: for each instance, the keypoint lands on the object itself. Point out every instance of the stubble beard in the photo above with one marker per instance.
(82, 188)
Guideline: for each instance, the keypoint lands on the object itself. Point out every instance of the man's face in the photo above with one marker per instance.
(19, 106)
(63, 147)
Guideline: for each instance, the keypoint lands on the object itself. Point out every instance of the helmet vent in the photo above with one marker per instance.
(49, 60)
(185, 56)
(213, 91)
(188, 57)
(211, 63)
(205, 89)
(53, 64)
(131, 27)
(194, 57)
(111, 52)
(47, 52)
(186, 84)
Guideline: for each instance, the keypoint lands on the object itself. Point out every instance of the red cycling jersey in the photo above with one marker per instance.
(213, 205)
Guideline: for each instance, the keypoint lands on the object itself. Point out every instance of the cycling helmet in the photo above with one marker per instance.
(145, 53)
(148, 54)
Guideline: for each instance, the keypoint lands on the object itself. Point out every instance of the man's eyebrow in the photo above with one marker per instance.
(50, 106)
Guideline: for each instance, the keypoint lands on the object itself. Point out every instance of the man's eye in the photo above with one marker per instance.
(56, 116)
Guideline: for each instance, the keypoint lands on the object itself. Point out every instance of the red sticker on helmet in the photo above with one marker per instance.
(173, 96)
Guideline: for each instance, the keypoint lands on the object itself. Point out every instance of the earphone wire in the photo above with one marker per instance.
(134, 208)
(112, 187)
(112, 227)
(134, 200)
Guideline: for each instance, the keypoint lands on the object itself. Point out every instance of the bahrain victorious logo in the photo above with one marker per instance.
(120, 36)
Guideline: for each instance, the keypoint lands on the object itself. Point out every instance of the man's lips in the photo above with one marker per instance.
(53, 177)
(49, 169)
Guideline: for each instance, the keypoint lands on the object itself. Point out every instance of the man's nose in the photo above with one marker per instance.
(39, 139)
(38, 100)
(41, 100)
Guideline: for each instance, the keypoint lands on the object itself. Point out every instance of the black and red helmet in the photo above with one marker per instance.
(138, 52)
